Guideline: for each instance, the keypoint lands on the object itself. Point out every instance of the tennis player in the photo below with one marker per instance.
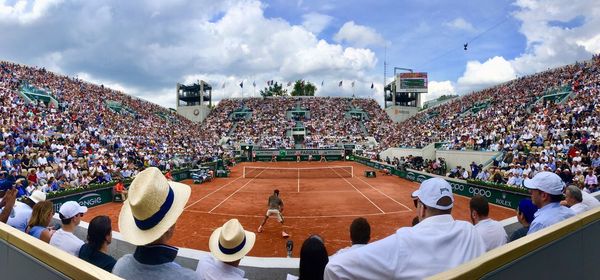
(275, 208)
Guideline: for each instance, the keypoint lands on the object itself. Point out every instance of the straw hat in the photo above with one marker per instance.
(231, 242)
(152, 207)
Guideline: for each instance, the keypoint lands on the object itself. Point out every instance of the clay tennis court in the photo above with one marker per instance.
(320, 201)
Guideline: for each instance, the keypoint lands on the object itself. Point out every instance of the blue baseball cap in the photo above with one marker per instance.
(528, 209)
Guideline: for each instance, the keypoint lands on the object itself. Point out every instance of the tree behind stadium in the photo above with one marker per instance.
(274, 89)
(303, 88)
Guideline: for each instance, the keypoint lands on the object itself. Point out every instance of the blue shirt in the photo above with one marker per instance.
(548, 215)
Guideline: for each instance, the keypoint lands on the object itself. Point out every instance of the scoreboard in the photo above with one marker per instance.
(412, 82)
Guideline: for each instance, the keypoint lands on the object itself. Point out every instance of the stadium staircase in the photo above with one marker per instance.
(559, 95)
(30, 93)
(119, 108)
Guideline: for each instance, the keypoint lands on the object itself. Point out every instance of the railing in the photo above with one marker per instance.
(566, 250)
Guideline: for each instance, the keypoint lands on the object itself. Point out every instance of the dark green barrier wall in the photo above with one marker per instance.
(290, 154)
(97, 197)
(495, 196)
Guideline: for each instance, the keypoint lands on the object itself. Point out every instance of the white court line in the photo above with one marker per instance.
(298, 180)
(300, 217)
(235, 192)
(359, 191)
(211, 193)
(383, 193)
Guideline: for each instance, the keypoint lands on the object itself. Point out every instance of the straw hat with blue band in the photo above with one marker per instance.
(153, 205)
(231, 242)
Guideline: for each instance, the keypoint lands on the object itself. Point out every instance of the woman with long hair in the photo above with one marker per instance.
(99, 237)
(313, 259)
(41, 216)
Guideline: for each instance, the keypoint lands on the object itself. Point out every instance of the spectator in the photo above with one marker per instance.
(360, 234)
(70, 214)
(21, 212)
(120, 189)
(546, 190)
(525, 213)
(573, 200)
(8, 202)
(313, 259)
(41, 216)
(228, 245)
(99, 237)
(491, 231)
(147, 220)
(408, 253)
(589, 200)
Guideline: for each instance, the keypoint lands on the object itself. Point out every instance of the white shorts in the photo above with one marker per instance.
(276, 213)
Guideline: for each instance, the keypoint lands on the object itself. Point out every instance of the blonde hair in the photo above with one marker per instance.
(39, 216)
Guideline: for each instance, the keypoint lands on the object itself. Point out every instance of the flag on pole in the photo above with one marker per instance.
(340, 84)
(371, 85)
(322, 82)
(223, 85)
(352, 83)
(289, 84)
(254, 84)
(242, 84)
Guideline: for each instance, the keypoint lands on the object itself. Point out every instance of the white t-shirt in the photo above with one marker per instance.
(434, 245)
(209, 268)
(589, 200)
(19, 216)
(492, 233)
(66, 241)
(579, 208)
(348, 249)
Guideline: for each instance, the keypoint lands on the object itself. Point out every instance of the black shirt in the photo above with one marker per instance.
(97, 258)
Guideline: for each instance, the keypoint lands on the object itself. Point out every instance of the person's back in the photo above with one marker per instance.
(274, 202)
(434, 245)
(492, 232)
(437, 243)
(161, 266)
(20, 215)
(161, 203)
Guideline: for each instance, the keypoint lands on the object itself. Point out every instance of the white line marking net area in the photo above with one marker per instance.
(236, 191)
(298, 191)
(211, 193)
(360, 192)
(299, 217)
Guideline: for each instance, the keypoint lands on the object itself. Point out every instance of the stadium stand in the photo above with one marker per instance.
(60, 132)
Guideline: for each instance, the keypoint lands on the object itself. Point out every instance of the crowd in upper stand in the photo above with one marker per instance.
(81, 140)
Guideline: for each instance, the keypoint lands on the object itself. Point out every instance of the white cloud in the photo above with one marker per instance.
(436, 89)
(25, 12)
(315, 22)
(479, 75)
(460, 24)
(145, 48)
(550, 46)
(358, 35)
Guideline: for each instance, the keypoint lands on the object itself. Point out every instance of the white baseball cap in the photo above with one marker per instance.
(547, 182)
(71, 208)
(432, 190)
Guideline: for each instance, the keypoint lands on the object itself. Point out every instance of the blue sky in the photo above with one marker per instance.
(145, 47)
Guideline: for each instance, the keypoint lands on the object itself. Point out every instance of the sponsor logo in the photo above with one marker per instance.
(421, 178)
(478, 191)
(457, 187)
(410, 176)
(503, 202)
(90, 200)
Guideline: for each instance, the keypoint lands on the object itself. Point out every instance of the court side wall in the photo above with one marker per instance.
(453, 158)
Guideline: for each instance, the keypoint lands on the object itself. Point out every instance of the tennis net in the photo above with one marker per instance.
(256, 172)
